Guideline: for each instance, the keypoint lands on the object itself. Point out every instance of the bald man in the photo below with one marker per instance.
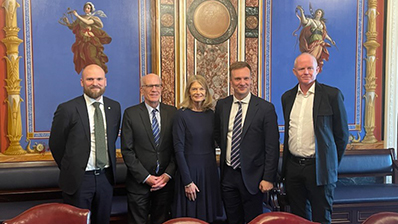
(83, 146)
(147, 148)
(312, 153)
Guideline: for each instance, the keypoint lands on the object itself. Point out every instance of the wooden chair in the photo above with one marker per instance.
(382, 218)
(185, 220)
(51, 213)
(279, 218)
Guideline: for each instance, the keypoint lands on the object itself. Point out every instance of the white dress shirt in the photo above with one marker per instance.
(149, 108)
(91, 165)
(234, 110)
(301, 125)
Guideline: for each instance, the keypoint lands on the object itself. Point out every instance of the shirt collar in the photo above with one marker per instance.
(90, 101)
(310, 91)
(149, 108)
(245, 100)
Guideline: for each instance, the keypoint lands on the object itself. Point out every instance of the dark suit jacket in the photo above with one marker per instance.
(259, 151)
(138, 146)
(330, 127)
(70, 140)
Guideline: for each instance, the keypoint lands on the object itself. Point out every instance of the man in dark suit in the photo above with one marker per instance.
(148, 152)
(316, 135)
(246, 130)
(85, 153)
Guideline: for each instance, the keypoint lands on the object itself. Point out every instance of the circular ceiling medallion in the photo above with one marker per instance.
(212, 21)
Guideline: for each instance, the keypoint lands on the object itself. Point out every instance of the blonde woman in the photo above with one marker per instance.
(197, 181)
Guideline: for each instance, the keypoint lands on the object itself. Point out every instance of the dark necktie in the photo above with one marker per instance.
(155, 127)
(99, 133)
(236, 138)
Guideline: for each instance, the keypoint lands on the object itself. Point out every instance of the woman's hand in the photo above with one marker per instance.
(190, 191)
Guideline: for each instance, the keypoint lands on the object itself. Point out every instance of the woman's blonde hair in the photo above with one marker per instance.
(187, 102)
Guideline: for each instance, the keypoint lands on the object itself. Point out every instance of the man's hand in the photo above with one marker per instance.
(265, 186)
(151, 180)
(161, 181)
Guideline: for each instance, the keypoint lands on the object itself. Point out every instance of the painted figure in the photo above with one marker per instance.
(90, 38)
(313, 34)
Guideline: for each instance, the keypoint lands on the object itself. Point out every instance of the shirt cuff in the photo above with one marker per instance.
(146, 178)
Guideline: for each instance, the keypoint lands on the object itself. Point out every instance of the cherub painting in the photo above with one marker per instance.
(90, 38)
(313, 35)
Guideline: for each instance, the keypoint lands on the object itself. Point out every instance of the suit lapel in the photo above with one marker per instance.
(81, 108)
(226, 112)
(317, 102)
(144, 116)
(108, 115)
(251, 112)
(164, 116)
(289, 102)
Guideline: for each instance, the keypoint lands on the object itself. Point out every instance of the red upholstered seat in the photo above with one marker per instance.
(185, 220)
(279, 218)
(51, 213)
(382, 218)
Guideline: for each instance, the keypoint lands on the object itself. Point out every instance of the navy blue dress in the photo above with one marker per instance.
(193, 134)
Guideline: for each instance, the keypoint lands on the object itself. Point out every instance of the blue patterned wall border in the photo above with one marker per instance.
(359, 70)
(143, 39)
(267, 49)
(29, 90)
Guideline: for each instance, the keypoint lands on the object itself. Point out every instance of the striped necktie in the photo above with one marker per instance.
(236, 138)
(155, 127)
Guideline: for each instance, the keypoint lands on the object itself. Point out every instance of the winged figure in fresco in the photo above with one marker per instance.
(313, 34)
(90, 38)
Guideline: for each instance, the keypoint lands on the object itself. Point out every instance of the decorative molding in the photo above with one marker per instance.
(143, 37)
(370, 86)
(260, 50)
(200, 19)
(180, 52)
(13, 87)
(359, 70)
(241, 30)
(267, 47)
(391, 78)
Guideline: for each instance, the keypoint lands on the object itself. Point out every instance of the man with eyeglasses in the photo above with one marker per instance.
(148, 152)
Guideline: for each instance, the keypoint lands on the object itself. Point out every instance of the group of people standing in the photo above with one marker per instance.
(170, 153)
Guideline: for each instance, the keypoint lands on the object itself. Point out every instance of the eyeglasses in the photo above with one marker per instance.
(157, 86)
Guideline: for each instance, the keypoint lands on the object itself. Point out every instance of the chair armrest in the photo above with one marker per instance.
(276, 198)
(395, 171)
(395, 164)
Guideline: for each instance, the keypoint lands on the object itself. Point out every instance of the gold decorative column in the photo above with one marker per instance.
(11, 41)
(370, 86)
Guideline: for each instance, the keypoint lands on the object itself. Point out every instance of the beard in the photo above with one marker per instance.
(94, 94)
